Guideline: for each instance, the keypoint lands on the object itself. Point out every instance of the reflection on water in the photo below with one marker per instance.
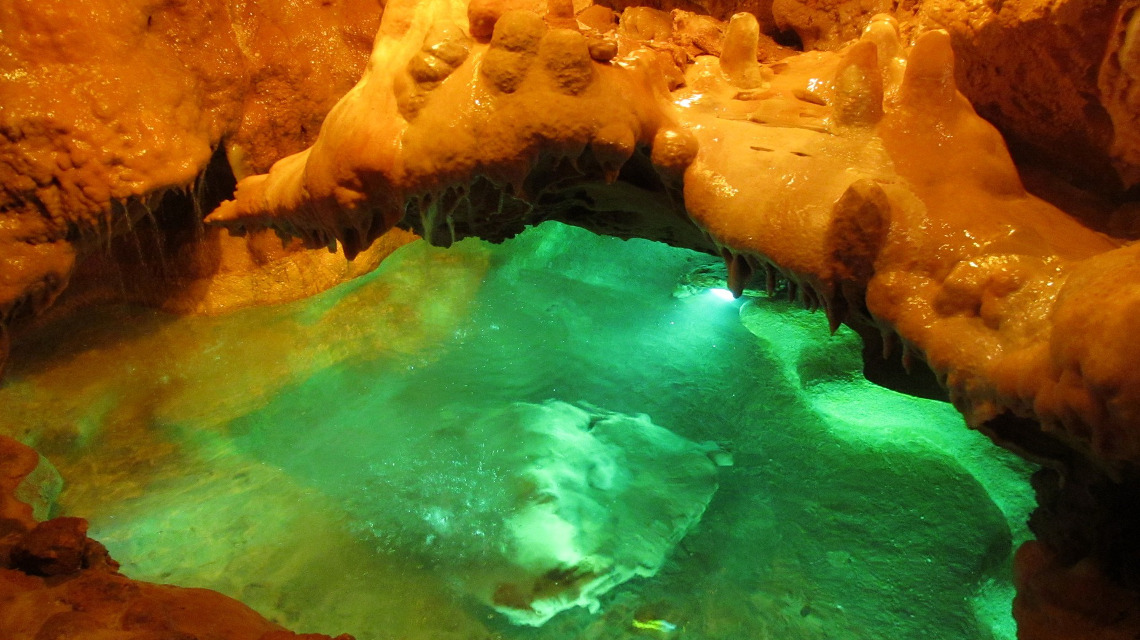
(301, 457)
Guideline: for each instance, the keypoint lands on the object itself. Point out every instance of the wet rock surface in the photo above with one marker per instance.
(858, 172)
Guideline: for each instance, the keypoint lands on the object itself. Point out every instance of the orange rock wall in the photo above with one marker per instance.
(107, 106)
(921, 227)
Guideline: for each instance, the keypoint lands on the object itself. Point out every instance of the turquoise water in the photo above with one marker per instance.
(330, 463)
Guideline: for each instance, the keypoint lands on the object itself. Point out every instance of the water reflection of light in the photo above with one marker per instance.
(721, 186)
(688, 102)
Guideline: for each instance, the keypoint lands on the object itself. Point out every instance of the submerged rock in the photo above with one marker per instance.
(538, 508)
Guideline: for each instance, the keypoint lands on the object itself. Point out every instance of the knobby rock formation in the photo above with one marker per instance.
(859, 170)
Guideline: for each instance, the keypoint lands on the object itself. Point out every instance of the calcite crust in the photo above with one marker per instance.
(863, 176)
(858, 170)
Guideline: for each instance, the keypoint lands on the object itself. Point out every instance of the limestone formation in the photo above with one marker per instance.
(781, 166)
(862, 176)
(856, 170)
(1046, 73)
(112, 114)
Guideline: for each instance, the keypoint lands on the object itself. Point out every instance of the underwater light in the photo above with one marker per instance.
(723, 294)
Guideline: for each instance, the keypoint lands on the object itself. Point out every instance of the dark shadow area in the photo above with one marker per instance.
(887, 369)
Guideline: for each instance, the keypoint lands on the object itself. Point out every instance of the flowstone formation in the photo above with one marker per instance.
(854, 171)
(862, 176)
(112, 114)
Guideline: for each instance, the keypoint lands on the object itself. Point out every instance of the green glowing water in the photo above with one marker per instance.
(285, 456)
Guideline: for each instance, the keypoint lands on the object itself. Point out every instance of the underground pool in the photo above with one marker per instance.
(562, 436)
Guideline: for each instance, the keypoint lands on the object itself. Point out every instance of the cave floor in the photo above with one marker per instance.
(275, 454)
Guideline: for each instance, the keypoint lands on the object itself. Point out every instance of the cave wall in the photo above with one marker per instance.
(112, 115)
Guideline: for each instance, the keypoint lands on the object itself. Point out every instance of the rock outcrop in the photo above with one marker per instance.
(55, 582)
(111, 116)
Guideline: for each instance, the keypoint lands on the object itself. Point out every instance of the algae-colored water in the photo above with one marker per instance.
(299, 458)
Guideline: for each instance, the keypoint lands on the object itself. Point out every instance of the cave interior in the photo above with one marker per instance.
(561, 319)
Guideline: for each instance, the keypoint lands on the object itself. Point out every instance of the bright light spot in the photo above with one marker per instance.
(688, 102)
(723, 294)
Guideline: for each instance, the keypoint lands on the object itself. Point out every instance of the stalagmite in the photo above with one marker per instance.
(857, 171)
(738, 53)
(764, 175)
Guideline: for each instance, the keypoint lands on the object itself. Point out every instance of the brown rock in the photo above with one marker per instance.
(519, 32)
(603, 50)
(102, 605)
(98, 161)
(17, 461)
(301, 58)
(565, 56)
(56, 547)
(1119, 84)
(644, 23)
(826, 24)
(1059, 601)
(482, 15)
(65, 169)
(1031, 68)
(673, 151)
(598, 17)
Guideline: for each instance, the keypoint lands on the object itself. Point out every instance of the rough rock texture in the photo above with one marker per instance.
(856, 171)
(104, 107)
(111, 112)
(17, 462)
(540, 100)
(1119, 94)
(1031, 68)
(259, 77)
(302, 57)
(214, 272)
(877, 190)
(55, 582)
(1052, 74)
(862, 176)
